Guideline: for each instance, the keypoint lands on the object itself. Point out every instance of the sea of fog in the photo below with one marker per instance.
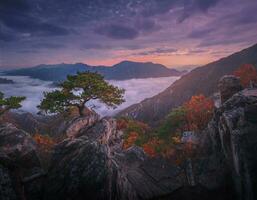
(136, 91)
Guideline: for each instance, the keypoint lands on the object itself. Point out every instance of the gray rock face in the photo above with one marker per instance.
(93, 165)
(78, 123)
(233, 132)
(7, 190)
(228, 86)
(19, 163)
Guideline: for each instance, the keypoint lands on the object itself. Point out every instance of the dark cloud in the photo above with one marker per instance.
(134, 25)
(46, 45)
(146, 25)
(196, 51)
(222, 41)
(19, 16)
(234, 27)
(14, 6)
(6, 37)
(28, 51)
(192, 7)
(29, 24)
(196, 34)
(156, 51)
(118, 31)
(204, 4)
(157, 7)
(55, 18)
(89, 46)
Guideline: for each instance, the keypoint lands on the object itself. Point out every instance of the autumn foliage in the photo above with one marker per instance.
(194, 115)
(247, 74)
(44, 142)
(134, 131)
(130, 140)
(150, 147)
(199, 111)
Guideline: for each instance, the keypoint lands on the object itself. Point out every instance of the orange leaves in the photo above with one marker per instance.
(151, 146)
(247, 74)
(176, 140)
(45, 143)
(199, 111)
(194, 115)
(132, 137)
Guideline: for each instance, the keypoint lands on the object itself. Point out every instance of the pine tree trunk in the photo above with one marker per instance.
(81, 109)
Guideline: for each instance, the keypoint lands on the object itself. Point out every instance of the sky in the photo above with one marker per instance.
(104, 32)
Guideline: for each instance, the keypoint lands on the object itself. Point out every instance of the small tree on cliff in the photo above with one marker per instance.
(77, 90)
(9, 103)
(247, 74)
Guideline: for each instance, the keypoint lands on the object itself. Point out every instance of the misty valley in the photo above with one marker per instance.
(136, 91)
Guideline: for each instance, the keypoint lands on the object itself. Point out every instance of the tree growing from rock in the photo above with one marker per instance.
(247, 74)
(9, 103)
(77, 90)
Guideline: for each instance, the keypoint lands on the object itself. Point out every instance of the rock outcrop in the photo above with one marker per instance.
(228, 86)
(20, 168)
(74, 126)
(233, 132)
(95, 166)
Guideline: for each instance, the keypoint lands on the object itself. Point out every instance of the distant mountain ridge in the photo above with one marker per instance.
(121, 71)
(202, 80)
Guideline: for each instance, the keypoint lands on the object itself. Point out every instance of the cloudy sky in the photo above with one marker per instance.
(104, 32)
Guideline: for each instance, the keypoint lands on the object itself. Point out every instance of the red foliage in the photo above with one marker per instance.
(150, 147)
(247, 74)
(132, 137)
(199, 111)
(45, 143)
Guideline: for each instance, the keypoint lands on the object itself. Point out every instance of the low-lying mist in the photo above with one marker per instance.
(136, 91)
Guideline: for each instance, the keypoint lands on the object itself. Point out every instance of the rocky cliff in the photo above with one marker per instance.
(233, 132)
(91, 163)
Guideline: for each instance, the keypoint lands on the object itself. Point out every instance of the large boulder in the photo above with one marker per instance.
(20, 168)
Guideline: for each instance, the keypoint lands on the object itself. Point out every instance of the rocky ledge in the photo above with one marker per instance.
(21, 174)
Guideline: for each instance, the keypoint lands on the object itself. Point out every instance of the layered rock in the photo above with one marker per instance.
(95, 166)
(20, 168)
(233, 132)
(74, 126)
